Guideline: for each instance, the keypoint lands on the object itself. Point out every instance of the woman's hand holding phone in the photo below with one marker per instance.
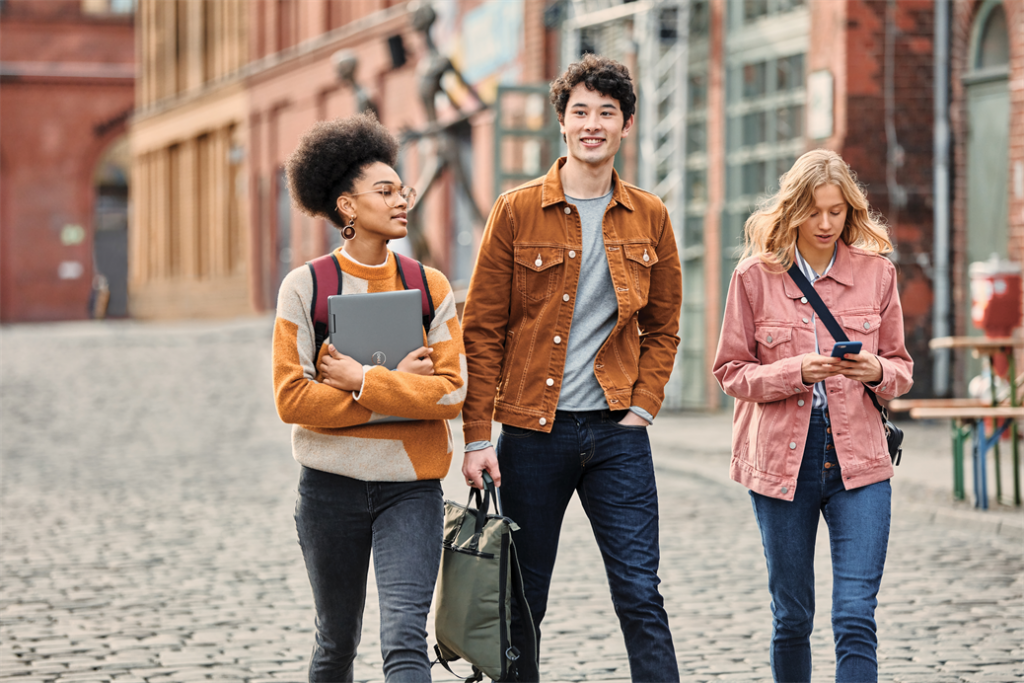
(418, 362)
(340, 371)
(863, 367)
(814, 367)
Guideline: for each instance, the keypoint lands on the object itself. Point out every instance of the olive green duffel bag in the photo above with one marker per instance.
(479, 575)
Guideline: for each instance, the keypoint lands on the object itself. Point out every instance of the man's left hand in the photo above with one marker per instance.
(862, 367)
(633, 420)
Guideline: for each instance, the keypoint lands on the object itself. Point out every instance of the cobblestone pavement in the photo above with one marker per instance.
(147, 534)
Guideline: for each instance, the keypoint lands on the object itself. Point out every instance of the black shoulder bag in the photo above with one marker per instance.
(893, 434)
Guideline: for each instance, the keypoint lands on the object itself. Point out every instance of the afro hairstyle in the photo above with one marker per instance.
(331, 157)
(599, 74)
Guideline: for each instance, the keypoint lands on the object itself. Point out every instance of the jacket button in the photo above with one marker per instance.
(550, 382)
(807, 320)
(572, 254)
(867, 326)
(784, 489)
(769, 340)
(792, 445)
(803, 299)
(800, 403)
(538, 263)
(543, 421)
(567, 210)
(558, 340)
(615, 400)
(565, 297)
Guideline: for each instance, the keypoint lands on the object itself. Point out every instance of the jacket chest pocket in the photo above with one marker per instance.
(537, 270)
(862, 328)
(639, 260)
(774, 342)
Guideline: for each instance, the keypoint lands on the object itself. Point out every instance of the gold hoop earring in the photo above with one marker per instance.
(348, 232)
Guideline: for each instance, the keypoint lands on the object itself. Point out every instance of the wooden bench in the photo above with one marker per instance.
(968, 415)
(904, 405)
(968, 418)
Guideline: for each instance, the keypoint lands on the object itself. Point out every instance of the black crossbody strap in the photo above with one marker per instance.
(826, 317)
(819, 306)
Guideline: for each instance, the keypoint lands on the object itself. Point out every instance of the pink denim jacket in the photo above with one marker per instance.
(768, 326)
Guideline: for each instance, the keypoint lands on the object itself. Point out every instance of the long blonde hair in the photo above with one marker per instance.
(771, 231)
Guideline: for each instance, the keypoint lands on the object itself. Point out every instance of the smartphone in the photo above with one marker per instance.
(842, 348)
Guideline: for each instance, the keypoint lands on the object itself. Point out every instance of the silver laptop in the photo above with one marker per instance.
(377, 329)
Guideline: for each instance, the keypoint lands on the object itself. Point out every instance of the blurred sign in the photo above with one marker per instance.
(489, 45)
(819, 100)
(70, 270)
(71, 234)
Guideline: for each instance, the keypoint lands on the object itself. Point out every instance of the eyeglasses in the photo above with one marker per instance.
(391, 195)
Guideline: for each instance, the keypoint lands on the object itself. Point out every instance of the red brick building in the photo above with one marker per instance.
(67, 74)
(771, 79)
(987, 124)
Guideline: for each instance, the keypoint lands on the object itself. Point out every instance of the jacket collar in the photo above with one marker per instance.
(552, 192)
(841, 271)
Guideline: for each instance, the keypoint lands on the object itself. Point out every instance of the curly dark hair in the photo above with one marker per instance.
(599, 74)
(331, 157)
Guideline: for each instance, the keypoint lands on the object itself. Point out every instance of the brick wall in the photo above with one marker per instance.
(66, 92)
(866, 147)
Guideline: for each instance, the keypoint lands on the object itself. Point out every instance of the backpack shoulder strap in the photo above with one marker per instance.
(326, 272)
(415, 277)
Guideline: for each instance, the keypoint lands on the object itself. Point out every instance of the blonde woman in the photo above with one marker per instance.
(807, 439)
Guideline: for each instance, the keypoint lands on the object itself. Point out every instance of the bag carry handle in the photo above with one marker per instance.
(493, 490)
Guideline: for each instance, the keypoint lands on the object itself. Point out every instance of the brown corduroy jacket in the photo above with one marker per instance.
(520, 305)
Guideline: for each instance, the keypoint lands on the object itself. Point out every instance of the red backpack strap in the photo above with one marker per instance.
(414, 277)
(326, 274)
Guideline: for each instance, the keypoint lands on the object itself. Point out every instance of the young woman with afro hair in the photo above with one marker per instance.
(365, 485)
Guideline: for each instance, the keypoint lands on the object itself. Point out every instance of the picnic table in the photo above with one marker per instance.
(968, 417)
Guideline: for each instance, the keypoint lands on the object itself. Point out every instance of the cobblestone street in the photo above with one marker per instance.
(147, 534)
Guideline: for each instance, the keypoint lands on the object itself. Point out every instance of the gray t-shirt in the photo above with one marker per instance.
(594, 313)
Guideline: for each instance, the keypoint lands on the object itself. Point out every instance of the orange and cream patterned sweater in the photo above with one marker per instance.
(333, 431)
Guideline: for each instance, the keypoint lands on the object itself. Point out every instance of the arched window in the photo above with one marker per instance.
(992, 48)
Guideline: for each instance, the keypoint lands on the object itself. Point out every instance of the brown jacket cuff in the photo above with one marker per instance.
(476, 431)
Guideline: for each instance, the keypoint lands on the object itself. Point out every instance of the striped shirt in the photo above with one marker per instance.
(818, 395)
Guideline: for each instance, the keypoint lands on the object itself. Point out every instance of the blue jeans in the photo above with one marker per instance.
(340, 520)
(858, 527)
(610, 468)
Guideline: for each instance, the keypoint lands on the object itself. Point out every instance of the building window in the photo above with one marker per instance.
(766, 104)
(753, 10)
(108, 6)
(994, 46)
(766, 123)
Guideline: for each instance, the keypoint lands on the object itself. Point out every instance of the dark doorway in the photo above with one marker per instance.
(110, 233)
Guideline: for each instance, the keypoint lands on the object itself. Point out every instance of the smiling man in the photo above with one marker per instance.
(571, 328)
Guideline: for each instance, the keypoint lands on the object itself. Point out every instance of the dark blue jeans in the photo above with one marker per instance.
(340, 520)
(610, 468)
(858, 528)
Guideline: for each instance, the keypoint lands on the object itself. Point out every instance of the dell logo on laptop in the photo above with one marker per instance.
(379, 358)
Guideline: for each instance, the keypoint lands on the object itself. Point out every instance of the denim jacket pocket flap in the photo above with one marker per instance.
(770, 336)
(865, 323)
(641, 254)
(539, 258)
